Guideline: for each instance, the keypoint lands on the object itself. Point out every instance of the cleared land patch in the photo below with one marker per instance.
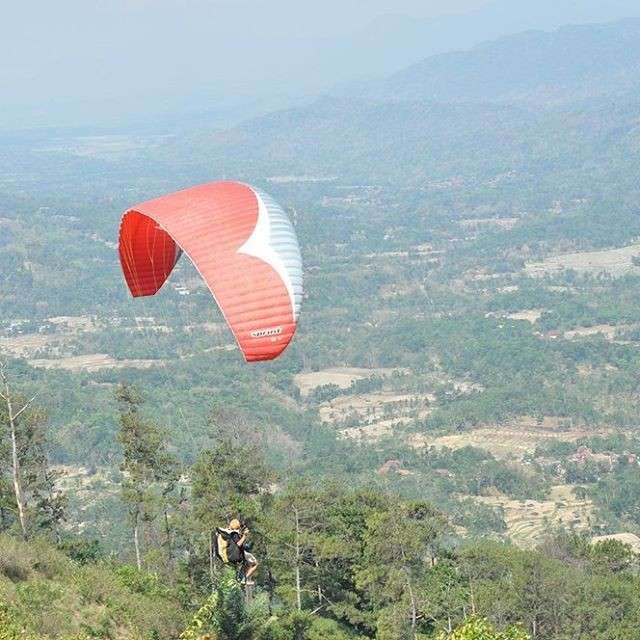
(477, 223)
(530, 315)
(59, 329)
(617, 262)
(92, 362)
(608, 331)
(372, 406)
(81, 324)
(340, 376)
(529, 521)
(511, 441)
(374, 416)
(375, 431)
(23, 346)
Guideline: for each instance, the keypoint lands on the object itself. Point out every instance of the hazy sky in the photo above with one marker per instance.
(63, 52)
(277, 17)
(141, 56)
(45, 42)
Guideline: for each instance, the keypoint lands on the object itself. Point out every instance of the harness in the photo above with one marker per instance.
(227, 549)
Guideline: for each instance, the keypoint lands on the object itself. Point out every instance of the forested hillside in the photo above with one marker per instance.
(463, 379)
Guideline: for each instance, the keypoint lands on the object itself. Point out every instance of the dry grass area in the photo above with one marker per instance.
(617, 262)
(340, 376)
(92, 362)
(511, 441)
(373, 416)
(529, 521)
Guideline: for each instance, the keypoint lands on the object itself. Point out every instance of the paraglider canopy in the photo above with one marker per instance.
(242, 244)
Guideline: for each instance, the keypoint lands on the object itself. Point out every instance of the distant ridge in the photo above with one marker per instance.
(528, 104)
(568, 64)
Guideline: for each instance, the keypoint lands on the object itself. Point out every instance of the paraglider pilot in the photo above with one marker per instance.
(233, 548)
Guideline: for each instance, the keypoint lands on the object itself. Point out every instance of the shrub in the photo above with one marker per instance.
(19, 560)
(481, 629)
(9, 627)
(15, 560)
(141, 582)
(82, 551)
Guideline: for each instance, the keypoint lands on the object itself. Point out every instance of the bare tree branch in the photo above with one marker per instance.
(26, 406)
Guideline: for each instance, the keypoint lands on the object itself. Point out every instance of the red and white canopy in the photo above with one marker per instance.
(243, 245)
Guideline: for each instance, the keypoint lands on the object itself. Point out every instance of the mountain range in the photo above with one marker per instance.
(571, 91)
(143, 61)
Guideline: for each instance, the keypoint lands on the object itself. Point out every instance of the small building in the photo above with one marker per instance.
(584, 454)
(581, 455)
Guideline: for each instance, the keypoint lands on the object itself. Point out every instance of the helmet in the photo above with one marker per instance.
(235, 524)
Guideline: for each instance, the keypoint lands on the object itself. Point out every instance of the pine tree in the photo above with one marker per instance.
(226, 615)
(229, 480)
(395, 563)
(148, 469)
(295, 523)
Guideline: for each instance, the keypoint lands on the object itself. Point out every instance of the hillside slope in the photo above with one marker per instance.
(44, 592)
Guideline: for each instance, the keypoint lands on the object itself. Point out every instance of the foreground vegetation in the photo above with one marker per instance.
(336, 561)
